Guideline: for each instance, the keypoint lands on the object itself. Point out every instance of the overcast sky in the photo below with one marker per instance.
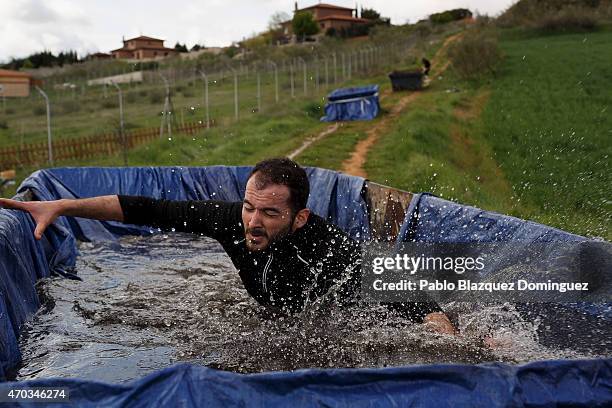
(28, 26)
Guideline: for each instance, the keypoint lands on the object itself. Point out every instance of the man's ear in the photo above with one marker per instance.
(300, 219)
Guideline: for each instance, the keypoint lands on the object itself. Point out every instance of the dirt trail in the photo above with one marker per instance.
(354, 164)
(330, 129)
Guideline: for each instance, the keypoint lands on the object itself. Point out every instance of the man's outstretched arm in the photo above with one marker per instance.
(104, 208)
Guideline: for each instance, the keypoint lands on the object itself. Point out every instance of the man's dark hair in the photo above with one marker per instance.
(285, 172)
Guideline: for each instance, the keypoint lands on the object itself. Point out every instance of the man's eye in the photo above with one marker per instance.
(271, 213)
(249, 209)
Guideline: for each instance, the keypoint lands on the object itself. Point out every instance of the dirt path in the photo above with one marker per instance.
(354, 164)
(330, 129)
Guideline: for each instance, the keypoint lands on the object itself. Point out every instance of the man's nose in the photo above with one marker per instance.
(255, 220)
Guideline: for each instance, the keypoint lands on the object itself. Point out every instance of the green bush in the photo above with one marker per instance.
(314, 110)
(556, 15)
(39, 110)
(475, 55)
(4, 124)
(569, 19)
(10, 111)
(109, 103)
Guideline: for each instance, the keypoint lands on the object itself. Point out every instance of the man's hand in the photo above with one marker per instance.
(439, 323)
(43, 212)
(105, 208)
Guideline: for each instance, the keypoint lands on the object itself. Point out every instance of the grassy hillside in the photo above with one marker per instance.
(533, 141)
(549, 123)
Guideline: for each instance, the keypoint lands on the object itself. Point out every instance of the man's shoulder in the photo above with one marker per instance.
(317, 229)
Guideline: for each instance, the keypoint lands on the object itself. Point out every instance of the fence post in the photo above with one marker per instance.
(292, 82)
(335, 69)
(166, 113)
(275, 80)
(326, 73)
(121, 126)
(305, 76)
(49, 143)
(317, 73)
(236, 114)
(206, 98)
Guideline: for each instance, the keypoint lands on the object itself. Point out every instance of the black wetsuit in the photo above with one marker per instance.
(286, 275)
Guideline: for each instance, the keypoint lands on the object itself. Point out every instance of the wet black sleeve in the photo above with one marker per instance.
(216, 219)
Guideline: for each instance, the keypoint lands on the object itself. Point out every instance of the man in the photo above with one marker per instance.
(286, 256)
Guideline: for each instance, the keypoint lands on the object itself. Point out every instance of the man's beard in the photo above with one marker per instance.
(261, 232)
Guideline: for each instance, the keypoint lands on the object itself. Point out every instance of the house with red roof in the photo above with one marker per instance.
(328, 16)
(143, 47)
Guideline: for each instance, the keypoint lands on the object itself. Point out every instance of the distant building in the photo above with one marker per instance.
(15, 83)
(98, 56)
(143, 48)
(328, 17)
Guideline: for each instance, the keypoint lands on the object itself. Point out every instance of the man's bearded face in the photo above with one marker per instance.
(266, 214)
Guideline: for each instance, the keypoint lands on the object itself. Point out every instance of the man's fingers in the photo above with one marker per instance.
(11, 204)
(39, 230)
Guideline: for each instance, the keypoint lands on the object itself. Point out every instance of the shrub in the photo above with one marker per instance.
(556, 15)
(475, 55)
(109, 103)
(4, 124)
(39, 110)
(313, 110)
(569, 19)
(10, 111)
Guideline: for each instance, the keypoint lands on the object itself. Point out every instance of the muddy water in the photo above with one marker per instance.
(148, 302)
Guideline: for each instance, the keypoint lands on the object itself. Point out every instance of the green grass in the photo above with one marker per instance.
(540, 149)
(550, 125)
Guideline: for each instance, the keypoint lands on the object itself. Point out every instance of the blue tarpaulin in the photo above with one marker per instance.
(336, 197)
(359, 103)
(539, 384)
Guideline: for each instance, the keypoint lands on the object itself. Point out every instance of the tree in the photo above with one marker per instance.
(180, 47)
(277, 20)
(370, 14)
(275, 25)
(304, 25)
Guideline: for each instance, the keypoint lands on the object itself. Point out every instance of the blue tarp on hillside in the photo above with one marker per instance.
(352, 104)
(336, 197)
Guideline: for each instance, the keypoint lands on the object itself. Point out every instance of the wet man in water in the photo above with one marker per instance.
(285, 255)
